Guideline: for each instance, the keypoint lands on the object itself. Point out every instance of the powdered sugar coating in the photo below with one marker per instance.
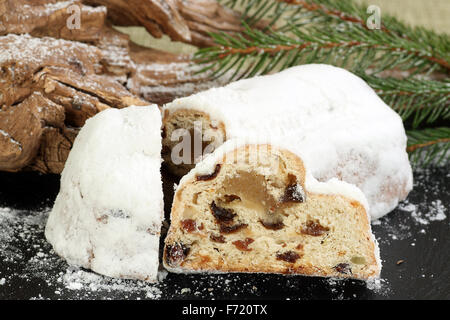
(330, 117)
(33, 51)
(108, 214)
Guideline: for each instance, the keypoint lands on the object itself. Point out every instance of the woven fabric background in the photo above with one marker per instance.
(433, 14)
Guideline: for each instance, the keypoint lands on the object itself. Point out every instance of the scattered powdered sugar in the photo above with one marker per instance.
(380, 286)
(435, 211)
(22, 242)
(416, 212)
(375, 285)
(17, 228)
(78, 279)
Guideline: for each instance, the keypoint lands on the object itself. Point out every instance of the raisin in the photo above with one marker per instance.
(288, 256)
(189, 225)
(176, 253)
(222, 214)
(314, 228)
(272, 225)
(243, 244)
(231, 197)
(231, 229)
(343, 268)
(217, 238)
(211, 176)
(293, 193)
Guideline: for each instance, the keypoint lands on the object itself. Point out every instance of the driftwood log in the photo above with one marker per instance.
(55, 78)
(49, 87)
(188, 21)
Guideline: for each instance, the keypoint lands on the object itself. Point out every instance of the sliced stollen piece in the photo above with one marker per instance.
(107, 216)
(254, 208)
(344, 129)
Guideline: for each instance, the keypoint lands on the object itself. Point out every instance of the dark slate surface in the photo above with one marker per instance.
(411, 233)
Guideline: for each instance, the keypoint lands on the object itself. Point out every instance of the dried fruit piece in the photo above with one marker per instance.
(288, 256)
(343, 268)
(176, 253)
(243, 244)
(222, 214)
(293, 192)
(189, 225)
(231, 229)
(211, 176)
(314, 228)
(278, 225)
(358, 260)
(217, 238)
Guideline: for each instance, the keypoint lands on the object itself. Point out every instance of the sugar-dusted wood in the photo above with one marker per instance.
(50, 86)
(77, 73)
(49, 18)
(187, 21)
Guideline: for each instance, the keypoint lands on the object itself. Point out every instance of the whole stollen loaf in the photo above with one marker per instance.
(107, 216)
(327, 115)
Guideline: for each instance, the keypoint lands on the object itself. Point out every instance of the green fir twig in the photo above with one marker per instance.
(335, 32)
(431, 145)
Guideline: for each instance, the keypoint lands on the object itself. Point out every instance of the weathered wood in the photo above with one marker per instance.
(23, 126)
(157, 16)
(49, 18)
(47, 87)
(183, 20)
(161, 77)
(54, 80)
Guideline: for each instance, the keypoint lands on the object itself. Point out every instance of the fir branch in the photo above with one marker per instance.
(416, 100)
(431, 145)
(333, 11)
(378, 53)
(346, 17)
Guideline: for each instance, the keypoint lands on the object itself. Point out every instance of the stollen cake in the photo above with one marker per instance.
(256, 208)
(107, 216)
(344, 129)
